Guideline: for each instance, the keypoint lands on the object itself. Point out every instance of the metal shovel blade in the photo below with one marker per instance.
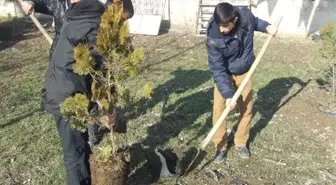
(196, 161)
(165, 172)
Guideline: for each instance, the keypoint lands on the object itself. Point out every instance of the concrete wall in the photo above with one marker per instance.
(10, 8)
(180, 14)
(299, 16)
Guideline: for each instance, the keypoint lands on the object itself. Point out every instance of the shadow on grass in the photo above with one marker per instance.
(19, 118)
(184, 112)
(175, 117)
(269, 101)
(182, 81)
(14, 30)
(267, 104)
(173, 56)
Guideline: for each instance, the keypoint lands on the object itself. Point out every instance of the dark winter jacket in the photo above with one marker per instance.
(232, 53)
(80, 25)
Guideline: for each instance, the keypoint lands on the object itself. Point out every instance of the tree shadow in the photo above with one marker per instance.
(175, 117)
(172, 56)
(267, 104)
(182, 81)
(19, 118)
(15, 30)
(269, 100)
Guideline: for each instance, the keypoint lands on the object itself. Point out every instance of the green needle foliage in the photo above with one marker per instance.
(328, 52)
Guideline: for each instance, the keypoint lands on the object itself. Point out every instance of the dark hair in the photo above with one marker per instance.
(224, 13)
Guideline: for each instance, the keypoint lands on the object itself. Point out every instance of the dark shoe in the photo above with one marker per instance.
(220, 156)
(244, 152)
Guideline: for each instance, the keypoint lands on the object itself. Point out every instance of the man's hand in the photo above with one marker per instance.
(28, 7)
(271, 30)
(109, 120)
(125, 15)
(231, 105)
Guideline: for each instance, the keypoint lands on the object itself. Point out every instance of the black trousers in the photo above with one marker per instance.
(76, 151)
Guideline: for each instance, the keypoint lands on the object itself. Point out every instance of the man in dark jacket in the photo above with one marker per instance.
(80, 25)
(230, 53)
(61, 82)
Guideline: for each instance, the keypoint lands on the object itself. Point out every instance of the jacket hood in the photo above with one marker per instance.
(85, 9)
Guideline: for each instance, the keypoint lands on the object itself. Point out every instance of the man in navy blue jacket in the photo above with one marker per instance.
(230, 53)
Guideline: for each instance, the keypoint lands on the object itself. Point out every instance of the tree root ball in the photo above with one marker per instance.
(113, 172)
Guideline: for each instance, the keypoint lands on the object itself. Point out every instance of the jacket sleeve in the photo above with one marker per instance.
(81, 83)
(41, 6)
(260, 25)
(219, 70)
(91, 41)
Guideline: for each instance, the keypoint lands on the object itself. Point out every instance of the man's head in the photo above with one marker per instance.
(225, 16)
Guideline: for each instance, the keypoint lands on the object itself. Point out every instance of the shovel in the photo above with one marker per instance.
(39, 26)
(201, 150)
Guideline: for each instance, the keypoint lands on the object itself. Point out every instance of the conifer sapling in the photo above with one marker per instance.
(109, 63)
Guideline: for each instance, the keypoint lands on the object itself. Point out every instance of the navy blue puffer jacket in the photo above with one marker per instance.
(233, 53)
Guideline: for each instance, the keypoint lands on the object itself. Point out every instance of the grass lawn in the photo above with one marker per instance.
(292, 142)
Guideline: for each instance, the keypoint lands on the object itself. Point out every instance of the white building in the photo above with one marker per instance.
(299, 16)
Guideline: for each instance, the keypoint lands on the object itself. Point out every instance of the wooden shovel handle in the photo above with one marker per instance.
(240, 89)
(39, 26)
